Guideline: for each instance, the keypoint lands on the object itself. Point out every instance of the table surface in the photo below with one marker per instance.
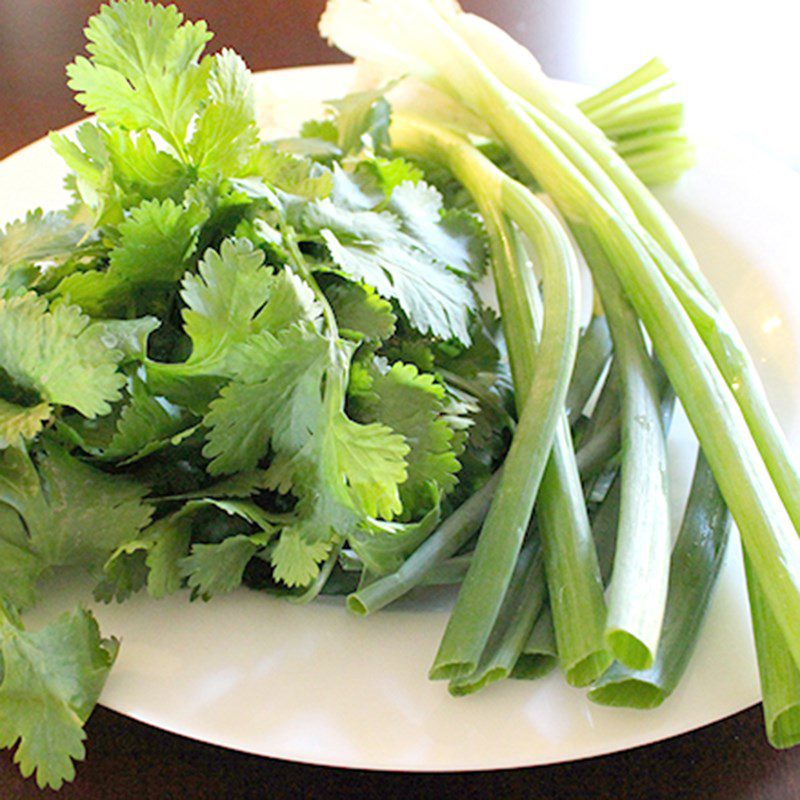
(128, 759)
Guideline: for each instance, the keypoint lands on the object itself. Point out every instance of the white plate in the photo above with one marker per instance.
(316, 684)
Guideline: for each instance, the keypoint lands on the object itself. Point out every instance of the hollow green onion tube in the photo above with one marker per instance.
(573, 578)
(498, 545)
(571, 564)
(514, 624)
(516, 68)
(780, 677)
(539, 655)
(638, 589)
(696, 561)
(594, 352)
(766, 528)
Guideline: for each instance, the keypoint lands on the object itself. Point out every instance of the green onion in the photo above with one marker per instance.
(638, 589)
(594, 352)
(539, 655)
(519, 611)
(780, 677)
(696, 561)
(571, 563)
(498, 546)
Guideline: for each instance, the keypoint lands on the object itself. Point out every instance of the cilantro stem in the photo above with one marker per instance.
(443, 543)
(298, 261)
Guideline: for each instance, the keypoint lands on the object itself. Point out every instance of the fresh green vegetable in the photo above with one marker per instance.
(498, 81)
(641, 562)
(244, 362)
(696, 561)
(233, 362)
(568, 551)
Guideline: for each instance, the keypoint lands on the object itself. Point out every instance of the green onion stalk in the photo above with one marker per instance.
(498, 547)
(570, 560)
(696, 561)
(592, 186)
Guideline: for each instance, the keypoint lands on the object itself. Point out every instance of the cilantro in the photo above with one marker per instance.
(361, 311)
(277, 394)
(140, 169)
(234, 296)
(144, 71)
(362, 120)
(413, 405)
(452, 237)
(433, 297)
(203, 367)
(20, 566)
(40, 237)
(18, 423)
(145, 424)
(58, 354)
(225, 132)
(155, 243)
(218, 568)
(73, 513)
(296, 560)
(49, 684)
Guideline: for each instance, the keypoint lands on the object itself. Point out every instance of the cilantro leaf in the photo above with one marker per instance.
(373, 248)
(222, 299)
(144, 70)
(362, 120)
(19, 423)
(129, 336)
(147, 424)
(92, 177)
(292, 174)
(413, 404)
(361, 310)
(124, 574)
(140, 169)
(218, 568)
(295, 560)
(346, 471)
(156, 242)
(20, 567)
(276, 395)
(58, 354)
(74, 514)
(39, 237)
(453, 238)
(232, 296)
(51, 681)
(371, 461)
(226, 130)
(371, 181)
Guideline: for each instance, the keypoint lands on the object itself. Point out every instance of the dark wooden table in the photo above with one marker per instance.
(129, 760)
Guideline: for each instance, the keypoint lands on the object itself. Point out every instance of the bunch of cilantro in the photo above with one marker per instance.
(227, 360)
